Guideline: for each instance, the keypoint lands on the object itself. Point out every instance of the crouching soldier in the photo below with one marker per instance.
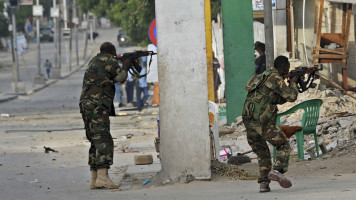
(265, 91)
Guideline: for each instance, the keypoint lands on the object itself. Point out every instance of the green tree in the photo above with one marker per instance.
(23, 13)
(4, 30)
(133, 16)
(215, 8)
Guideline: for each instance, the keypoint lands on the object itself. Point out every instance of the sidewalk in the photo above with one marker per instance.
(7, 93)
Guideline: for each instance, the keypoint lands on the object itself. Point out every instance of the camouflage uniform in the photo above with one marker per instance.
(96, 105)
(265, 91)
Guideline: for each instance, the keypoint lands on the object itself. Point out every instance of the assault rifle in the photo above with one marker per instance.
(135, 69)
(299, 72)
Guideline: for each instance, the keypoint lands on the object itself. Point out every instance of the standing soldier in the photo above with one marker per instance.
(96, 105)
(265, 91)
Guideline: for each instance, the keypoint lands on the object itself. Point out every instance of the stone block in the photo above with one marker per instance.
(143, 159)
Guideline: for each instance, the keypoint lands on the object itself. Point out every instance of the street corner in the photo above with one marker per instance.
(141, 176)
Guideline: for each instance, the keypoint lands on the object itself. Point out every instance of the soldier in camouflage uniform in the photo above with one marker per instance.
(96, 105)
(265, 91)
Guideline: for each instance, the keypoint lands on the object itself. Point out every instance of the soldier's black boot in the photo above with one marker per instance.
(264, 187)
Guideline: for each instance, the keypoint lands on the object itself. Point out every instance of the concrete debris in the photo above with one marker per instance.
(186, 178)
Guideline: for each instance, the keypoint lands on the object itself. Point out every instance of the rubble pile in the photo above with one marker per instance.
(336, 127)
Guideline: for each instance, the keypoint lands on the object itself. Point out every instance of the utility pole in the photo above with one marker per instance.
(267, 5)
(85, 27)
(66, 32)
(91, 20)
(76, 22)
(12, 27)
(55, 15)
(56, 71)
(38, 12)
(71, 34)
(59, 28)
(14, 35)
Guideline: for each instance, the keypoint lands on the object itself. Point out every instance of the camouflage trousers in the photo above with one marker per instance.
(97, 130)
(257, 136)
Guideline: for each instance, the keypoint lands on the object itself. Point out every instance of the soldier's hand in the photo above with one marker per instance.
(294, 79)
(126, 64)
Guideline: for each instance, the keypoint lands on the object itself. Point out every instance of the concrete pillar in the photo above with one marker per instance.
(239, 53)
(267, 6)
(182, 74)
(209, 51)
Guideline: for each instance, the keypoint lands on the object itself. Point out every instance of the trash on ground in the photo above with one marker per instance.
(238, 160)
(225, 153)
(48, 149)
(5, 115)
(129, 135)
(146, 181)
(34, 181)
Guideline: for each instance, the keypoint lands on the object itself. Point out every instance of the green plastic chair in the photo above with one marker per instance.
(309, 122)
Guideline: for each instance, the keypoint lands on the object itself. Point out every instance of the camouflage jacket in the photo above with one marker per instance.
(265, 91)
(98, 88)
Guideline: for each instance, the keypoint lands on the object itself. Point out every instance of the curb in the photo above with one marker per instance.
(5, 99)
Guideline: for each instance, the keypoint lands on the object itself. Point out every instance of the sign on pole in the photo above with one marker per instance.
(54, 12)
(26, 2)
(37, 11)
(152, 34)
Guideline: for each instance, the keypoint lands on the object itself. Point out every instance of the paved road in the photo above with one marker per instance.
(28, 67)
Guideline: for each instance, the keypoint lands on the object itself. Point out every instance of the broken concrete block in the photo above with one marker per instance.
(143, 159)
(345, 123)
(332, 129)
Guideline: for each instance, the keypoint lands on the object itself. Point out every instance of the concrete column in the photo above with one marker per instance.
(182, 74)
(239, 53)
(209, 51)
(267, 6)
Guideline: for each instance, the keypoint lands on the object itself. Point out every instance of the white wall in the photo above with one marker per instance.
(280, 28)
(185, 145)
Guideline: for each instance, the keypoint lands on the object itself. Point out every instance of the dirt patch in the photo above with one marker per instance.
(232, 172)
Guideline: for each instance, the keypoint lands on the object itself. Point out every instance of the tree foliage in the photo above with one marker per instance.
(215, 8)
(22, 14)
(133, 16)
(4, 31)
